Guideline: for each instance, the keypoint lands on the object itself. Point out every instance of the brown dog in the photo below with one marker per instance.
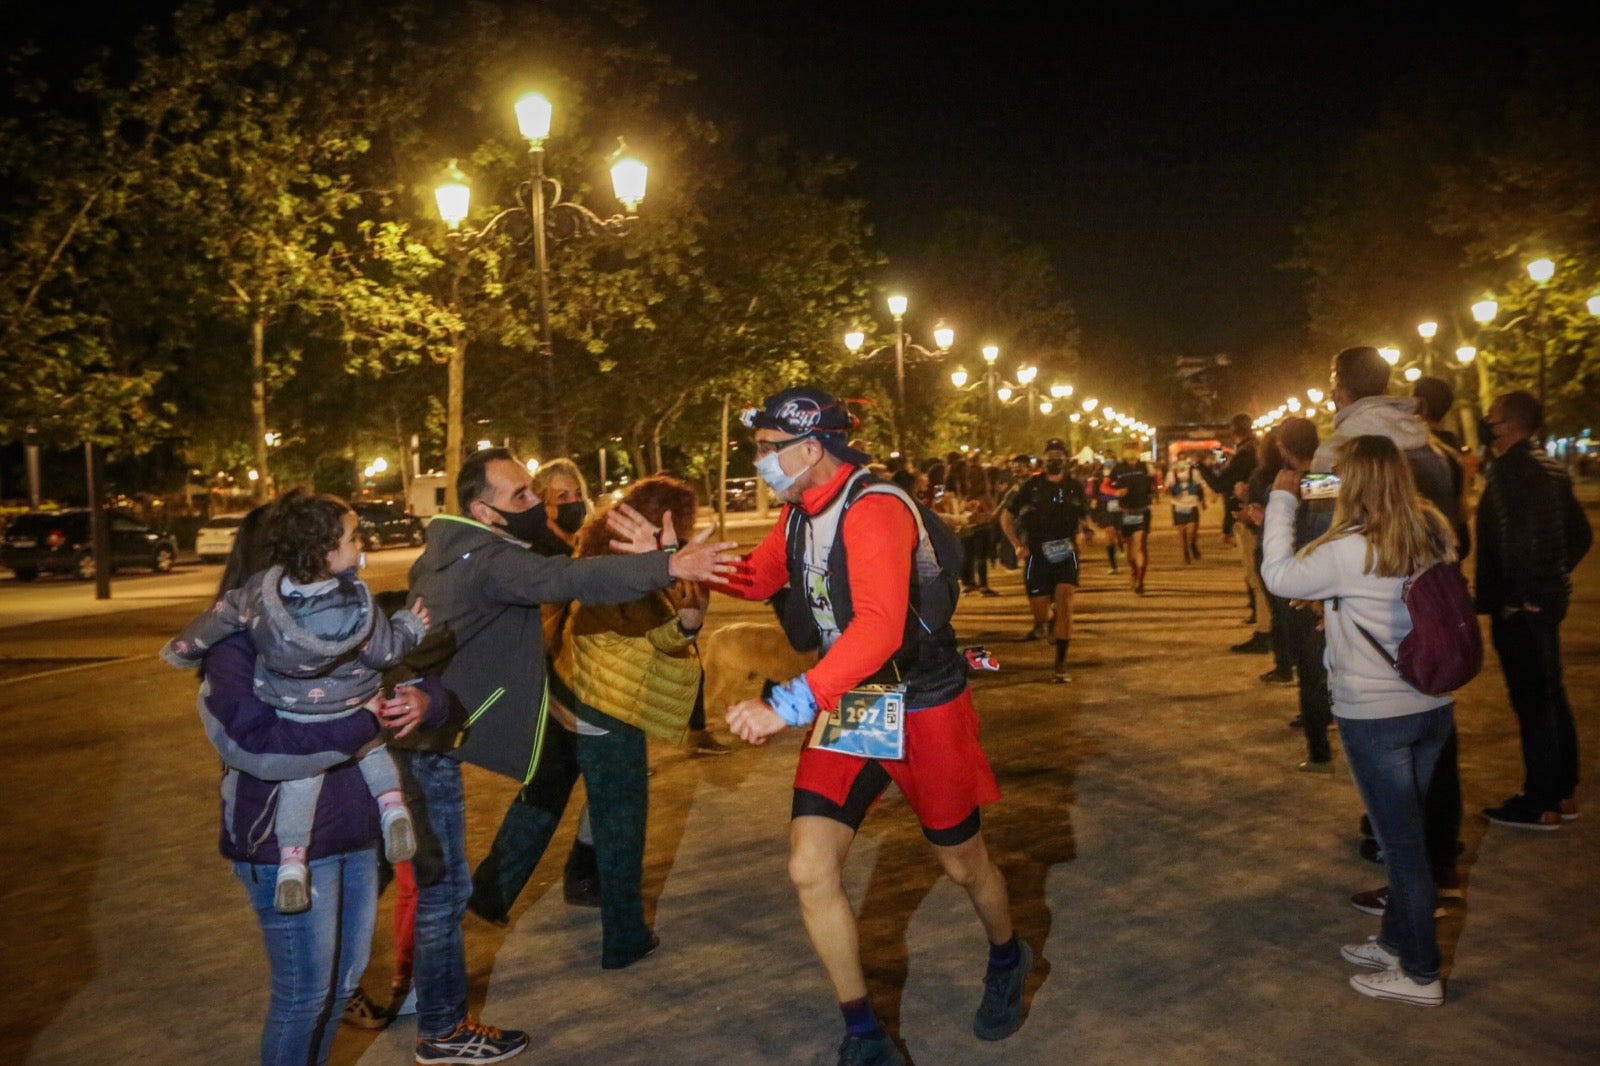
(739, 656)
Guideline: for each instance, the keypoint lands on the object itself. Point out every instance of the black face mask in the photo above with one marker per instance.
(526, 525)
(570, 516)
(1485, 431)
(1054, 466)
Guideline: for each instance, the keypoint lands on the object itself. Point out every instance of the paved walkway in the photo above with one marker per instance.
(1185, 888)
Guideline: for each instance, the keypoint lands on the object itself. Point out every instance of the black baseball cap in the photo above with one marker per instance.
(1055, 444)
(805, 411)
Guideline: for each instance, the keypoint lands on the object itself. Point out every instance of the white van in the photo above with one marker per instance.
(427, 495)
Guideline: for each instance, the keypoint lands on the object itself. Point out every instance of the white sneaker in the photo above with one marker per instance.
(1372, 955)
(1400, 987)
(399, 834)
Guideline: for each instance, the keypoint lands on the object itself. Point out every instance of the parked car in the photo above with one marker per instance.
(384, 524)
(58, 542)
(215, 539)
(741, 494)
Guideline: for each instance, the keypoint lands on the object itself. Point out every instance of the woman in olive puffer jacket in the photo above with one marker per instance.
(624, 671)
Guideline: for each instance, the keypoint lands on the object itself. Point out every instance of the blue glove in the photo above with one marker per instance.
(794, 702)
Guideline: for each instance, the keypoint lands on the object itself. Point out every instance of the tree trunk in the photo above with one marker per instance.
(455, 401)
(403, 449)
(674, 409)
(258, 405)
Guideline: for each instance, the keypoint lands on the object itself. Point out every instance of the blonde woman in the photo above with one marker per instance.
(1383, 533)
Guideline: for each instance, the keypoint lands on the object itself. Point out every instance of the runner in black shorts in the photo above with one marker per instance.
(1134, 485)
(1043, 520)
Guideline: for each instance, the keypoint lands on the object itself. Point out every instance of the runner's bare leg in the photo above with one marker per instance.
(817, 850)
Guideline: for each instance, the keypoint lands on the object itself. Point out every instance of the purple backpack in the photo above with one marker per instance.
(1444, 649)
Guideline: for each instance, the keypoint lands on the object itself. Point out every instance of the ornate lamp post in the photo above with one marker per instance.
(943, 338)
(549, 218)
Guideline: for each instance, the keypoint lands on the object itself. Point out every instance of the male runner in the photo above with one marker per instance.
(1051, 510)
(1133, 485)
(858, 559)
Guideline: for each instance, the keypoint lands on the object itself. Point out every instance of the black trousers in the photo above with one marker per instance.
(1306, 645)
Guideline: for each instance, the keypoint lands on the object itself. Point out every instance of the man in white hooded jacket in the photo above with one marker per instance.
(1360, 391)
(1365, 409)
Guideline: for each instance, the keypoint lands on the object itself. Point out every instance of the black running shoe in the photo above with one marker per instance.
(1000, 1013)
(870, 1051)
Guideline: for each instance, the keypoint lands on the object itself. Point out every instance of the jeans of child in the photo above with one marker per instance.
(1392, 761)
(433, 790)
(316, 957)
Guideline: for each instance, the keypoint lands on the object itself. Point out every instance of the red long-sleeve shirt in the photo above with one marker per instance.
(880, 538)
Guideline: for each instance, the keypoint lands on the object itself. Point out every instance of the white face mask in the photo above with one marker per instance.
(770, 467)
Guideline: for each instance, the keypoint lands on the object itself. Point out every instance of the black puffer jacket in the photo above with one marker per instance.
(1531, 533)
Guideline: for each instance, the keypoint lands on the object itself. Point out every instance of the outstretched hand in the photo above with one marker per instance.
(633, 534)
(700, 560)
(422, 614)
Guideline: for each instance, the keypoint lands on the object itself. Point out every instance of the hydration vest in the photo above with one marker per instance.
(818, 607)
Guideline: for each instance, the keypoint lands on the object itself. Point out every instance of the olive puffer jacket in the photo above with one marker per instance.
(631, 663)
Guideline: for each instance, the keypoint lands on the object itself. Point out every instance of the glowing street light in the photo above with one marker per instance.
(991, 353)
(1314, 395)
(1484, 310)
(1541, 270)
(1090, 404)
(1025, 375)
(958, 378)
(1005, 393)
(943, 336)
(1413, 373)
(1466, 354)
(1427, 330)
(454, 197)
(854, 340)
(1045, 407)
(898, 305)
(1390, 353)
(534, 112)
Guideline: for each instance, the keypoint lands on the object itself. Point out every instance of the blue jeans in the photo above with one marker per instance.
(433, 790)
(1392, 760)
(317, 957)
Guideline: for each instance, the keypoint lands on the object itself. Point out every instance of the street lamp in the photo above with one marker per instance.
(1466, 354)
(1484, 310)
(1413, 373)
(958, 378)
(991, 377)
(550, 218)
(1541, 271)
(1390, 353)
(1427, 331)
(943, 338)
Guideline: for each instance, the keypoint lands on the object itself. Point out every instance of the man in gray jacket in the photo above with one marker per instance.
(484, 586)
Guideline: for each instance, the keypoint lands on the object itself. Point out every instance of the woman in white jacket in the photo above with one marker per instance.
(1383, 533)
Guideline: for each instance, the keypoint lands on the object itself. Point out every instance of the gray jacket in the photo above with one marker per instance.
(317, 655)
(484, 588)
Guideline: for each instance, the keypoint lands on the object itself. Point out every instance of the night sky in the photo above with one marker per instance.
(1161, 159)
(1161, 154)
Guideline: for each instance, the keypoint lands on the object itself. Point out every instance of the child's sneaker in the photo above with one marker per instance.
(292, 893)
(399, 834)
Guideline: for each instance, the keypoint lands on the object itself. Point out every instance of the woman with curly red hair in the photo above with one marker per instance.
(616, 674)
